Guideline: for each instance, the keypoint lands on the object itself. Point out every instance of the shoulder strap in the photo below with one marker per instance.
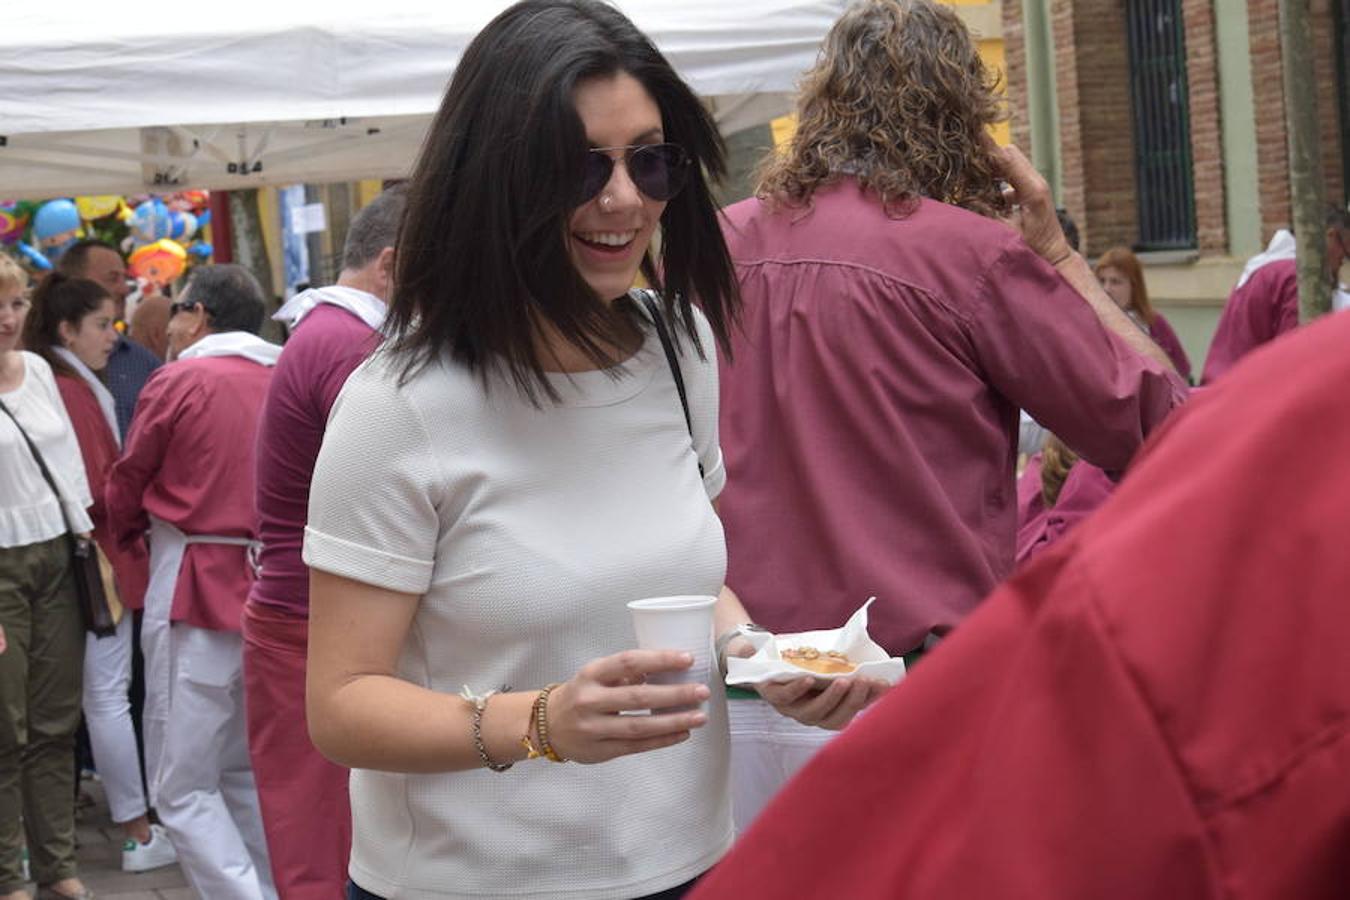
(659, 320)
(648, 300)
(42, 465)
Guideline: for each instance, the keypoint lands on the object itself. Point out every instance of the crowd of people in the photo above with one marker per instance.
(378, 580)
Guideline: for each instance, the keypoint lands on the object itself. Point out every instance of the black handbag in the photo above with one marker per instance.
(84, 564)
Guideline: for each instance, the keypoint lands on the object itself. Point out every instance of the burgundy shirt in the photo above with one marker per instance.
(1158, 707)
(98, 447)
(869, 418)
(1165, 337)
(1256, 313)
(327, 347)
(188, 461)
(1085, 488)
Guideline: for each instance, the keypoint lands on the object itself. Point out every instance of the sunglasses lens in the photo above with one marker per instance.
(659, 170)
(595, 175)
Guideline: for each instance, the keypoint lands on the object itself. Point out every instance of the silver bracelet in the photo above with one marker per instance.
(726, 637)
(479, 704)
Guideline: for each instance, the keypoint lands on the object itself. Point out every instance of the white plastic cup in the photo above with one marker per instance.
(677, 623)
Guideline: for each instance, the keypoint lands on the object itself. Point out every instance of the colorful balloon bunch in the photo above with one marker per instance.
(159, 230)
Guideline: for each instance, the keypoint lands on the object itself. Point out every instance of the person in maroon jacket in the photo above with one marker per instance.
(1122, 277)
(1264, 305)
(892, 327)
(1157, 707)
(303, 796)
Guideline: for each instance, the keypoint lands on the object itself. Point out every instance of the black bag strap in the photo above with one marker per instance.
(648, 300)
(42, 466)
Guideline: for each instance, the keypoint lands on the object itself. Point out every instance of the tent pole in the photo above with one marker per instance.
(222, 234)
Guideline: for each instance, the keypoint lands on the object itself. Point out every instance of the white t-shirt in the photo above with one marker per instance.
(526, 531)
(29, 512)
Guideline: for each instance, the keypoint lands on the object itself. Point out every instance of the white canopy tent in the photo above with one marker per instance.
(99, 99)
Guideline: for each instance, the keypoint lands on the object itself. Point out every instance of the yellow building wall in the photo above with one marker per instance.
(984, 18)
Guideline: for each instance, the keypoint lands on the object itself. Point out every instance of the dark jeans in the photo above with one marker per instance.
(356, 892)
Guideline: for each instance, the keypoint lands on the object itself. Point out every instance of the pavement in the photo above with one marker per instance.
(99, 853)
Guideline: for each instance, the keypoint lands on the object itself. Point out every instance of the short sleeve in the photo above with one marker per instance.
(373, 506)
(700, 377)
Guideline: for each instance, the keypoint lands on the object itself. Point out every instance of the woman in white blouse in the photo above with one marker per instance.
(512, 468)
(40, 670)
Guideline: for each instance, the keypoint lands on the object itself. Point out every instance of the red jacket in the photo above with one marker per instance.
(188, 461)
(1158, 707)
(98, 447)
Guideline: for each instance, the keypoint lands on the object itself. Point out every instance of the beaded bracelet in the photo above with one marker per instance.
(541, 724)
(479, 705)
(531, 751)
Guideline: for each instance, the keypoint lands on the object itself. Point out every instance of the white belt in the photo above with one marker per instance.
(253, 547)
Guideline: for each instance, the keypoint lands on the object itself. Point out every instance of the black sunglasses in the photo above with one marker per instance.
(658, 170)
(180, 306)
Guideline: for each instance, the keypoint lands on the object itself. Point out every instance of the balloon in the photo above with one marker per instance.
(188, 201)
(158, 263)
(182, 225)
(55, 220)
(97, 207)
(200, 249)
(13, 221)
(33, 257)
(150, 221)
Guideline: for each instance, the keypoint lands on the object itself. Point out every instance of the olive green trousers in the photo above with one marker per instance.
(40, 679)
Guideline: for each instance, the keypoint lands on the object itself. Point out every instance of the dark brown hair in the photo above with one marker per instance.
(482, 262)
(900, 99)
(59, 298)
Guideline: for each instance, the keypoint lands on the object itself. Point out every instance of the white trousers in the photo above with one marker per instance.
(205, 793)
(767, 749)
(166, 557)
(107, 713)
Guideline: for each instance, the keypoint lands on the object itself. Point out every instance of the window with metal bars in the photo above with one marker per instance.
(1162, 127)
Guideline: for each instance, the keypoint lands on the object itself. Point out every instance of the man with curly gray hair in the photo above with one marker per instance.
(899, 310)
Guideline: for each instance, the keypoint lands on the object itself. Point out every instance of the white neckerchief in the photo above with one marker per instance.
(101, 392)
(1340, 301)
(234, 343)
(365, 306)
(1281, 246)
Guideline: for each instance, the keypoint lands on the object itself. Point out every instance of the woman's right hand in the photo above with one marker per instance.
(584, 724)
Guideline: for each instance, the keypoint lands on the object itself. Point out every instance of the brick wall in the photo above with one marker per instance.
(1110, 196)
(1202, 77)
(1072, 177)
(1271, 132)
(1015, 73)
(1091, 62)
(1272, 147)
(1324, 68)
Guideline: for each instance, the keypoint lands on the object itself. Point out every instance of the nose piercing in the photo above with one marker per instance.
(606, 201)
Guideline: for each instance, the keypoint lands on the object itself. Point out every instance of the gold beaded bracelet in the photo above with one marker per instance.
(541, 724)
(531, 751)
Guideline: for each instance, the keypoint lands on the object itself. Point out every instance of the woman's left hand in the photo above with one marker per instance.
(830, 708)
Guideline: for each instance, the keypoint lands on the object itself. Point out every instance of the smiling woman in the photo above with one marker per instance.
(564, 141)
(512, 468)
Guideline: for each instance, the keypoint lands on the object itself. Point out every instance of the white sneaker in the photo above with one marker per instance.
(158, 852)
